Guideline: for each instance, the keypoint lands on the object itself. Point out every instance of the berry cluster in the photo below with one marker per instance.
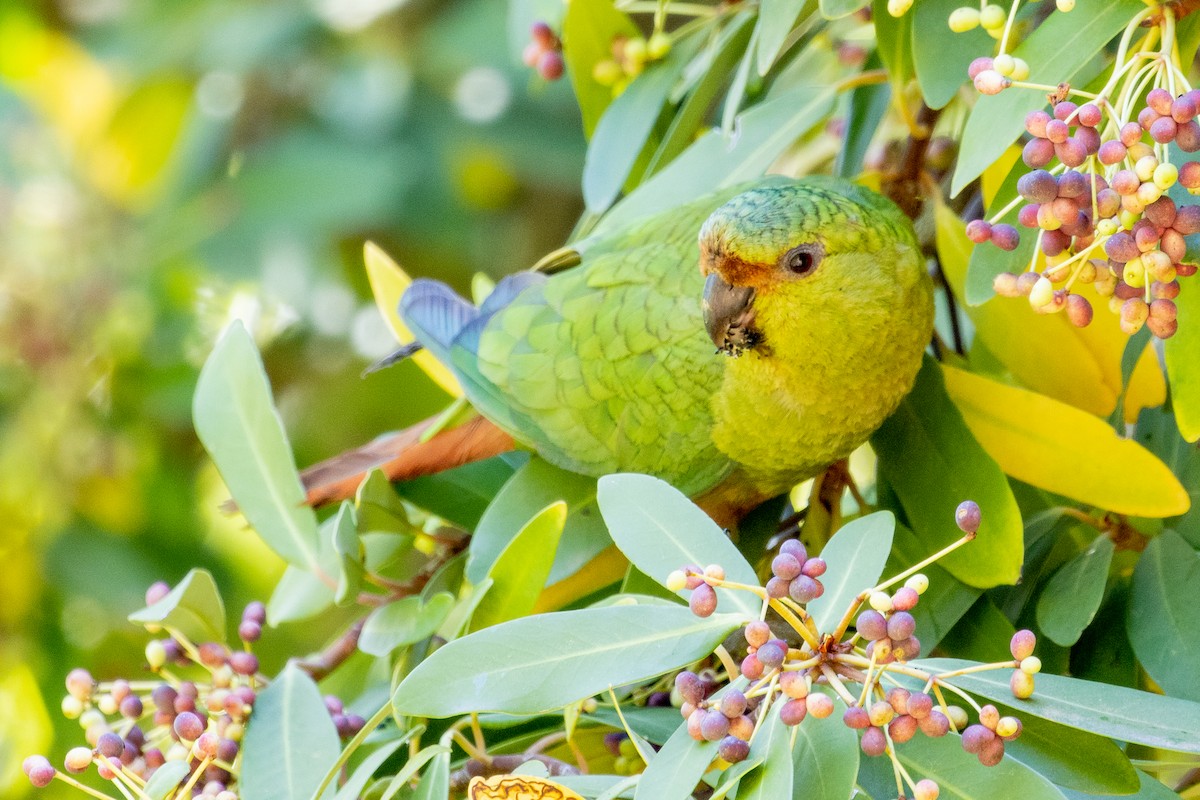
(1096, 192)
(135, 727)
(630, 55)
(787, 658)
(544, 52)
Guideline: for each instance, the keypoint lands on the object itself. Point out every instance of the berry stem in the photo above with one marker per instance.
(836, 684)
(937, 681)
(941, 698)
(731, 667)
(628, 732)
(1008, 24)
(794, 621)
(185, 791)
(67, 779)
(1012, 664)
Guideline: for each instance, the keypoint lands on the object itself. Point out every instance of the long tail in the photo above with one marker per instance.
(402, 455)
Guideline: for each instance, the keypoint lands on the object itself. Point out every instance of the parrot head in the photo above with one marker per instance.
(791, 255)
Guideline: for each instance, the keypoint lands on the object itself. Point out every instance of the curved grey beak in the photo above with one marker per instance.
(729, 315)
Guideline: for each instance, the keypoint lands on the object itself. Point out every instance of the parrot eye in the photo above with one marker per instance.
(803, 259)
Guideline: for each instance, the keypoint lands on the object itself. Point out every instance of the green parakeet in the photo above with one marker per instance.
(814, 293)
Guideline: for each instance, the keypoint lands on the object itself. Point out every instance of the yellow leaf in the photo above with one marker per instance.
(606, 568)
(389, 281)
(1059, 448)
(1080, 366)
(993, 177)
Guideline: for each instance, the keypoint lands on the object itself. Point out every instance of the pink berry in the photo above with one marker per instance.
(979, 65)
(979, 230)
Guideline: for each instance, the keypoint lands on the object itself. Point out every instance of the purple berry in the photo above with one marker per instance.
(979, 230)
(975, 737)
(901, 625)
(871, 625)
(873, 743)
(39, 770)
(1038, 186)
(751, 667)
(703, 601)
(157, 591)
(550, 65)
(786, 566)
(733, 704)
(796, 549)
(815, 567)
(1089, 115)
(110, 744)
(244, 663)
(733, 749)
(249, 631)
(1037, 153)
(856, 717)
(714, 726)
(255, 611)
(188, 726)
(968, 516)
(805, 589)
(793, 712)
(1005, 236)
(690, 688)
(772, 654)
(905, 599)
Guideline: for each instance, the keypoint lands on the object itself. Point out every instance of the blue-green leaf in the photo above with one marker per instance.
(1071, 598)
(239, 427)
(855, 555)
(405, 621)
(521, 570)
(660, 530)
(1163, 625)
(290, 742)
(193, 607)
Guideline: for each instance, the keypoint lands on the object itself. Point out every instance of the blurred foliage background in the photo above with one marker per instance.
(165, 167)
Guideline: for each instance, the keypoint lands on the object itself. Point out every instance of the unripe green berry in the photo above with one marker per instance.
(1005, 64)
(881, 602)
(676, 580)
(992, 17)
(72, 707)
(156, 654)
(1042, 293)
(964, 19)
(1020, 70)
(918, 583)
(873, 742)
(881, 713)
(1031, 665)
(1064, 5)
(658, 46)
(898, 8)
(1008, 728)
(957, 716)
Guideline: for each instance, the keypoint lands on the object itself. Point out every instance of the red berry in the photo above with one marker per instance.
(541, 33)
(550, 65)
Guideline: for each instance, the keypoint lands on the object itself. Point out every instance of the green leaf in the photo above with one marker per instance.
(354, 785)
(165, 779)
(349, 550)
(1071, 758)
(1071, 598)
(713, 161)
(459, 495)
(856, 556)
(958, 773)
(824, 759)
(932, 462)
(714, 63)
(867, 107)
(534, 486)
(435, 783)
(773, 743)
(982, 634)
(659, 530)
(193, 607)
(237, 423)
(546, 661)
(403, 622)
(625, 128)
(413, 766)
(836, 9)
(521, 570)
(290, 742)
(893, 42)
(588, 31)
(653, 724)
(1058, 51)
(1100, 708)
(1148, 789)
(1163, 625)
(776, 19)
(1182, 352)
(378, 508)
(941, 56)
(299, 595)
(676, 768)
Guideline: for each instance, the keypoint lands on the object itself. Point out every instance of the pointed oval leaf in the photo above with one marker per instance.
(388, 282)
(237, 423)
(824, 759)
(932, 462)
(776, 18)
(855, 557)
(193, 607)
(660, 530)
(299, 595)
(772, 743)
(354, 785)
(1071, 758)
(405, 621)
(1100, 708)
(546, 661)
(1149, 788)
(1066, 451)
(1163, 625)
(1072, 597)
(836, 9)
(676, 768)
(1182, 353)
(522, 569)
(290, 742)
